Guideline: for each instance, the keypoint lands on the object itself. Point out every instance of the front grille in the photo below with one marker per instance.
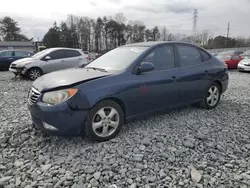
(33, 96)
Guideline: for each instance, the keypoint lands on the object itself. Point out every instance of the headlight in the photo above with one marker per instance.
(56, 97)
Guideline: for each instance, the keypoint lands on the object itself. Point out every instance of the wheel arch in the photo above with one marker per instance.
(118, 101)
(219, 83)
(35, 67)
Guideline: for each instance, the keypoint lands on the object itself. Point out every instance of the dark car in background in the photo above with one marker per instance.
(127, 82)
(246, 54)
(8, 56)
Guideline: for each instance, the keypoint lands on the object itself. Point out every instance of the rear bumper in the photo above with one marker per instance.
(242, 67)
(224, 85)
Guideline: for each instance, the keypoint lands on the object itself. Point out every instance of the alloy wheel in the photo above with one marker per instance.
(105, 121)
(213, 96)
(34, 74)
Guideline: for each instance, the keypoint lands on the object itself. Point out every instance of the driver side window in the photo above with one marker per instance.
(162, 57)
(58, 54)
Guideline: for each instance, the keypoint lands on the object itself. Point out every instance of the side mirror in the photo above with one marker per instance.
(47, 58)
(145, 67)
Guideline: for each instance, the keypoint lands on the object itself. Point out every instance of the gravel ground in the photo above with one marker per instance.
(189, 147)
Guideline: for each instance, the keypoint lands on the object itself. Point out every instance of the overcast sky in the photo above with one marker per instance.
(35, 17)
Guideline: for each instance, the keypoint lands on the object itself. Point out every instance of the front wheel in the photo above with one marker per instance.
(34, 73)
(211, 97)
(104, 121)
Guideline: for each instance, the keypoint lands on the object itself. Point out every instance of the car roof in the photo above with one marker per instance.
(14, 50)
(64, 48)
(155, 43)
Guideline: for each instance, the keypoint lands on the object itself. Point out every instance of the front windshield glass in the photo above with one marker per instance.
(118, 59)
(40, 54)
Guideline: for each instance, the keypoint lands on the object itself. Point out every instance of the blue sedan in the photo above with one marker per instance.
(9, 56)
(127, 82)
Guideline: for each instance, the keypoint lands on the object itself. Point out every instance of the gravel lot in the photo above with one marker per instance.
(189, 147)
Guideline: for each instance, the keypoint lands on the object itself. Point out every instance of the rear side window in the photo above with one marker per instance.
(235, 57)
(72, 53)
(20, 54)
(6, 54)
(188, 56)
(205, 55)
(58, 54)
(162, 57)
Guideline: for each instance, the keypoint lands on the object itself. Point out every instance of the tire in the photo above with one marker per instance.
(34, 73)
(211, 101)
(98, 116)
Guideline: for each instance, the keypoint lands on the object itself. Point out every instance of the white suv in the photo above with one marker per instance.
(49, 60)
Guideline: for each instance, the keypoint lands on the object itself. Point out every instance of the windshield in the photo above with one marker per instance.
(224, 57)
(117, 59)
(40, 54)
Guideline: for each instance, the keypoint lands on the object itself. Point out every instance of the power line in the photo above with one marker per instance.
(195, 17)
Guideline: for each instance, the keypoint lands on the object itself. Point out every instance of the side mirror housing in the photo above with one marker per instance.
(145, 67)
(47, 58)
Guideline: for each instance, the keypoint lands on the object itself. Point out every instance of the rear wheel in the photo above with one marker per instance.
(104, 121)
(34, 73)
(211, 97)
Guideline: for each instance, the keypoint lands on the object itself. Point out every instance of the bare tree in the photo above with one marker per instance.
(164, 34)
(120, 18)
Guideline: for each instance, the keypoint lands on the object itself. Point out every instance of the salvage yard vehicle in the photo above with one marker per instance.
(48, 60)
(126, 82)
(231, 60)
(244, 65)
(8, 56)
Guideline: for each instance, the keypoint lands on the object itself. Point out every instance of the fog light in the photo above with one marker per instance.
(49, 127)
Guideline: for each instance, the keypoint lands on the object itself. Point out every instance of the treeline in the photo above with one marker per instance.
(98, 35)
(108, 32)
(9, 30)
(105, 33)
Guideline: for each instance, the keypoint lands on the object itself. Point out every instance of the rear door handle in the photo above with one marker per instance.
(206, 72)
(10, 58)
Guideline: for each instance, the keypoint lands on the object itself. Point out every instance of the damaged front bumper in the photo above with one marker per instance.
(18, 70)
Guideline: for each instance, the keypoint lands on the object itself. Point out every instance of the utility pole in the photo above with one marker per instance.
(228, 30)
(195, 17)
(71, 20)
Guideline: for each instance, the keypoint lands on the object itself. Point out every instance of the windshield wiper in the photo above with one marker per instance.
(96, 68)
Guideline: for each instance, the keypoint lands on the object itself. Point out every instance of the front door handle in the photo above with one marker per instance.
(10, 58)
(206, 72)
(174, 78)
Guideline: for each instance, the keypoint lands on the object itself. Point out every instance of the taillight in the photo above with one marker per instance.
(225, 65)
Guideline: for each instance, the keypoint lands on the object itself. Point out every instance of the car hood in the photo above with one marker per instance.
(22, 61)
(245, 61)
(66, 77)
